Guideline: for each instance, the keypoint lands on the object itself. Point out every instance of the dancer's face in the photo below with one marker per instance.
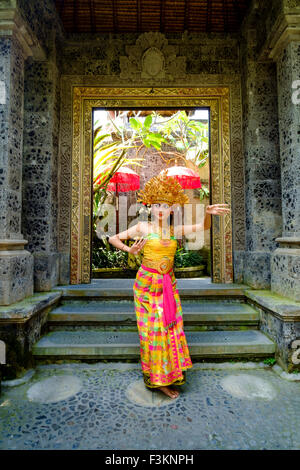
(160, 212)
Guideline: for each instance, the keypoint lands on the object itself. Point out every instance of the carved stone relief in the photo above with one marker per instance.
(152, 58)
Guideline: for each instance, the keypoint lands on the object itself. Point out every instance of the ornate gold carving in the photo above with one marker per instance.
(87, 98)
(232, 82)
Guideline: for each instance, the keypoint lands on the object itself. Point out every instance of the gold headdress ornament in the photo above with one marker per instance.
(163, 189)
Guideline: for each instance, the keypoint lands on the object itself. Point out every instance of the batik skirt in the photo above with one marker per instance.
(164, 352)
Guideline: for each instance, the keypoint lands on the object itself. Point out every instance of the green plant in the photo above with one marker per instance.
(113, 140)
(183, 259)
(203, 192)
(104, 258)
(142, 129)
(108, 157)
(185, 136)
(107, 256)
(270, 361)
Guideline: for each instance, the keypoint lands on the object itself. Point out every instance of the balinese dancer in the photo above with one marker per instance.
(163, 347)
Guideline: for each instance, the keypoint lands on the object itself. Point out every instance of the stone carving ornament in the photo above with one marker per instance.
(152, 58)
(153, 64)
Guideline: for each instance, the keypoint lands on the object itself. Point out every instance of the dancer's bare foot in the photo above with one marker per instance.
(169, 392)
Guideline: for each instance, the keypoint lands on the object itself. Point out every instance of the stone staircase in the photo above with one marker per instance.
(97, 322)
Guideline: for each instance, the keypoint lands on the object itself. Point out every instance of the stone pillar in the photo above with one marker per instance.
(16, 263)
(286, 259)
(41, 133)
(262, 165)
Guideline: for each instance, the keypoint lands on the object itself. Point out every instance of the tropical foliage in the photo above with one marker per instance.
(185, 259)
(185, 135)
(109, 257)
(178, 137)
(108, 158)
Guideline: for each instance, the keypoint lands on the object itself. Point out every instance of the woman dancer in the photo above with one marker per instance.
(164, 352)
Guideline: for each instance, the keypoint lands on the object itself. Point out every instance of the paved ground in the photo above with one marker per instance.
(105, 406)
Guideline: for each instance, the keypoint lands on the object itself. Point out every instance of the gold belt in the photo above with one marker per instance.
(163, 265)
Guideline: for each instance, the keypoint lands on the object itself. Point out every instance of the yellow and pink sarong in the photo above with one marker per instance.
(164, 352)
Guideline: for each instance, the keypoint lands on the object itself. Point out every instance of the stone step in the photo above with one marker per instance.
(123, 289)
(125, 345)
(123, 313)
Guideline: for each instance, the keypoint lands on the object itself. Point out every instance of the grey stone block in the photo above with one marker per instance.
(46, 271)
(64, 268)
(16, 276)
(21, 326)
(257, 273)
(285, 263)
(279, 319)
(238, 266)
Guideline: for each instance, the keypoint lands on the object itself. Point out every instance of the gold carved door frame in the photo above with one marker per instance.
(87, 98)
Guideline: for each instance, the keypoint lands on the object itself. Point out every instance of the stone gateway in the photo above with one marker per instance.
(56, 66)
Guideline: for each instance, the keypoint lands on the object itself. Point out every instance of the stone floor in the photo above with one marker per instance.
(106, 406)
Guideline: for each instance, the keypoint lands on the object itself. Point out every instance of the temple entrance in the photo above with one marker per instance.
(129, 148)
(86, 102)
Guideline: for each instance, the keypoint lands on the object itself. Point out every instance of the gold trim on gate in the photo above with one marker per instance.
(87, 98)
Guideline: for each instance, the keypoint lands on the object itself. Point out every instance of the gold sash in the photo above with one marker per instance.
(162, 265)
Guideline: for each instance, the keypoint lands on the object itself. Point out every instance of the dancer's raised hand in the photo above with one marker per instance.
(218, 209)
(137, 246)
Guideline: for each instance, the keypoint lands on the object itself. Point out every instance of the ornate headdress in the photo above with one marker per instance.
(162, 188)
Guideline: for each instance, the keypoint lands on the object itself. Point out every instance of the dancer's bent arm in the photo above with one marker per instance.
(135, 231)
(214, 209)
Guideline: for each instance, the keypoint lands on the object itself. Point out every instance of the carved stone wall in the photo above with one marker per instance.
(43, 21)
(269, 19)
(136, 60)
(16, 264)
(41, 140)
(262, 164)
(265, 17)
(210, 60)
(40, 169)
(151, 57)
(155, 60)
(286, 259)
